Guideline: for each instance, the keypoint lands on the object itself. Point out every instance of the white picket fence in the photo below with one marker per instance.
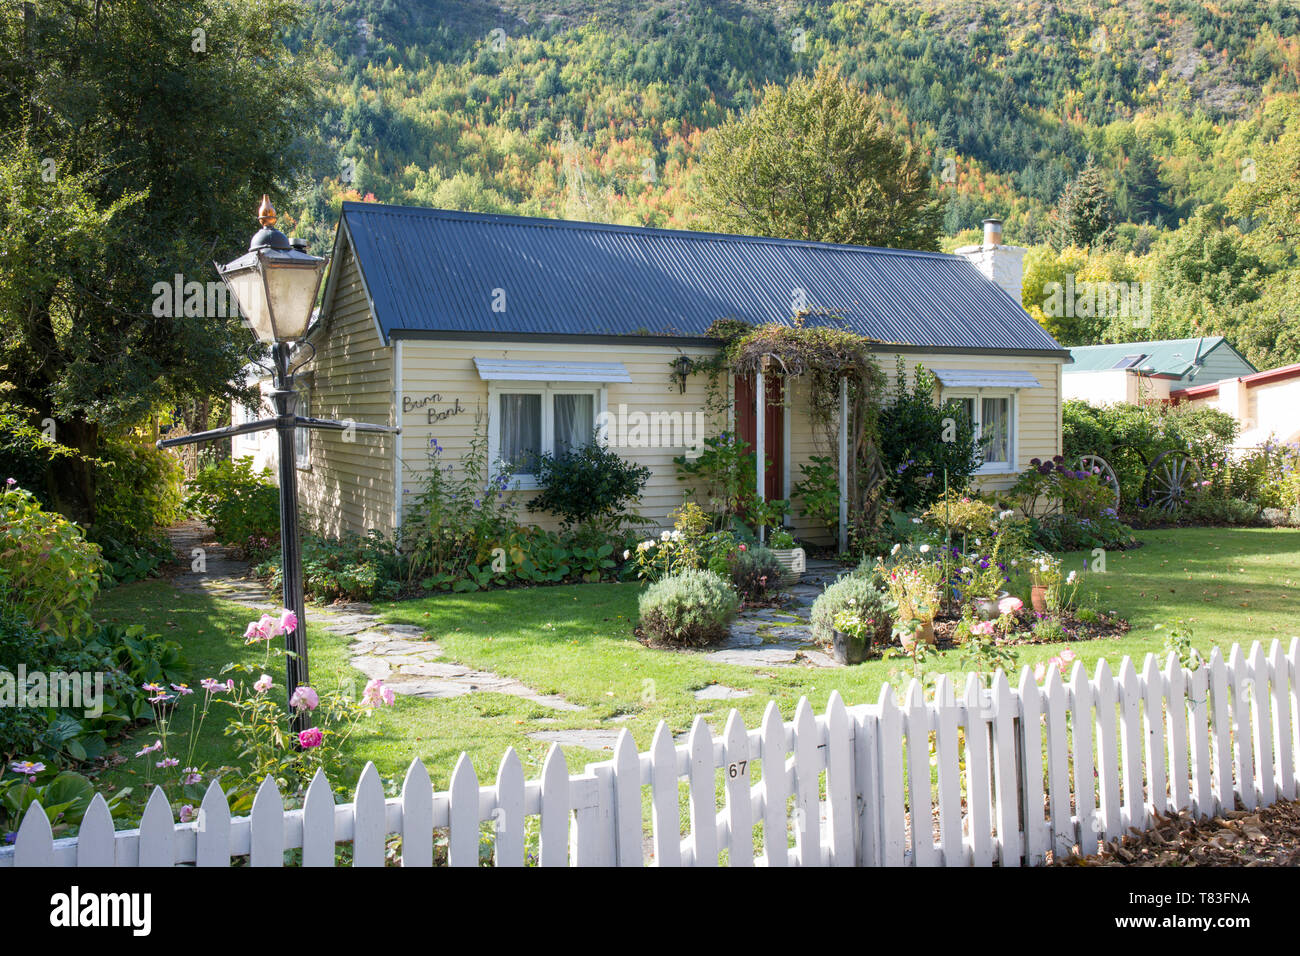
(949, 781)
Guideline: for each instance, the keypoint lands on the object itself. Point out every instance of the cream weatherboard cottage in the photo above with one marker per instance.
(532, 332)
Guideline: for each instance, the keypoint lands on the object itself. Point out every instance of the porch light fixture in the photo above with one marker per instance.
(275, 286)
(682, 366)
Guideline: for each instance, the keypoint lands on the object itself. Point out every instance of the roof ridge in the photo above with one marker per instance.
(546, 222)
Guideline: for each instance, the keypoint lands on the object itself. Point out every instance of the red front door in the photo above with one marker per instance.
(773, 430)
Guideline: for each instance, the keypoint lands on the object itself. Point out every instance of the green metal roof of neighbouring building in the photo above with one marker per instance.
(1176, 358)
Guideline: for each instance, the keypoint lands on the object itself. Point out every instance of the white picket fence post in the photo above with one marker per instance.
(1050, 769)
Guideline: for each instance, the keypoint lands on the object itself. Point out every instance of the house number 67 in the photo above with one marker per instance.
(736, 769)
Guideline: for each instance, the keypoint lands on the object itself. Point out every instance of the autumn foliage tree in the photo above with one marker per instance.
(813, 160)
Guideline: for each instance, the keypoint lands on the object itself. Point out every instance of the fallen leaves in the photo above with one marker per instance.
(1265, 837)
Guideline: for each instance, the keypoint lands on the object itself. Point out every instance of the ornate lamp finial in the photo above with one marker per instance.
(266, 212)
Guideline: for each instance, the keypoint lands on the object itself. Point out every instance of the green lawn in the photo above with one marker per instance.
(1230, 584)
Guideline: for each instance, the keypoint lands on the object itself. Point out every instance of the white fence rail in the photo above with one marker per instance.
(1002, 774)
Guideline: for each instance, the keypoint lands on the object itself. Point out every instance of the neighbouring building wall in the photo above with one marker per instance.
(348, 484)
(1110, 386)
(440, 381)
(1263, 412)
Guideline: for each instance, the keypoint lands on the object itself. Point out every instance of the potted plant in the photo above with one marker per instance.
(914, 589)
(853, 630)
(1045, 575)
(793, 561)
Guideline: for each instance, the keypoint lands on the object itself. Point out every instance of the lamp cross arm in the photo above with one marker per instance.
(331, 425)
(229, 431)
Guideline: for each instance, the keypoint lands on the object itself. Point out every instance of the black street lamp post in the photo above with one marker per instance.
(275, 285)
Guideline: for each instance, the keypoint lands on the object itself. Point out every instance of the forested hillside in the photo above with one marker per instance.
(594, 110)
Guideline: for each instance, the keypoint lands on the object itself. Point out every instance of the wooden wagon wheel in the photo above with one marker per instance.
(1171, 480)
(1101, 467)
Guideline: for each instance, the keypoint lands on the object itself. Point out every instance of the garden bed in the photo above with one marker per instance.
(1074, 628)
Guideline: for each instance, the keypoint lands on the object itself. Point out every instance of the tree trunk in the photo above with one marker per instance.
(72, 478)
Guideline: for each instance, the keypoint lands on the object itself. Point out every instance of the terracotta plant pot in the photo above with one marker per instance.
(925, 633)
(849, 650)
(1038, 598)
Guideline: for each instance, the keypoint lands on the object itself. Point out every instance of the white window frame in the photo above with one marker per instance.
(548, 391)
(1013, 423)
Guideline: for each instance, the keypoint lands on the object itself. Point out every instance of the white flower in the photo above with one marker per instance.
(965, 570)
(894, 550)
(645, 546)
(626, 555)
(665, 536)
(925, 548)
(1005, 514)
(1014, 562)
(1073, 575)
(977, 542)
(675, 536)
(916, 521)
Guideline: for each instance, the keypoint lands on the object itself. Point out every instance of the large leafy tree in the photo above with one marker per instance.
(813, 160)
(136, 138)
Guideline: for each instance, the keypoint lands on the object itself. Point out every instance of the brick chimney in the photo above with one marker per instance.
(1002, 264)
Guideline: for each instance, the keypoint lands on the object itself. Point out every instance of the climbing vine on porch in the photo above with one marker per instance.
(819, 356)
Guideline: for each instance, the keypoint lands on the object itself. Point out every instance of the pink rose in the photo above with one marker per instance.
(304, 698)
(982, 627)
(288, 622)
(311, 737)
(264, 684)
(187, 813)
(1009, 605)
(376, 694)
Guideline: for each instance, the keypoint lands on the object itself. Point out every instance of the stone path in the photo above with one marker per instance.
(777, 637)
(398, 654)
(409, 663)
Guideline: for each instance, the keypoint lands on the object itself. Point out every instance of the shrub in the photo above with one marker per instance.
(1062, 532)
(852, 592)
(137, 487)
(353, 569)
(50, 572)
(723, 472)
(592, 485)
(688, 609)
(236, 501)
(818, 492)
(913, 449)
(1227, 511)
(961, 514)
(1115, 431)
(457, 519)
(756, 573)
(125, 657)
(1048, 486)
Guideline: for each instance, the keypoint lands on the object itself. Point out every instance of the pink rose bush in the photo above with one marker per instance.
(272, 739)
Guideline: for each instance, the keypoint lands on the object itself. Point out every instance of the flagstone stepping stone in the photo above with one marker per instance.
(820, 659)
(587, 739)
(758, 657)
(721, 692)
(432, 669)
(376, 668)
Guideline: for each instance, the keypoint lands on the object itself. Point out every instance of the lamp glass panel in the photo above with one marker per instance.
(246, 286)
(291, 291)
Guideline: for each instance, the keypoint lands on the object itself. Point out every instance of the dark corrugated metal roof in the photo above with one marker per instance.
(437, 270)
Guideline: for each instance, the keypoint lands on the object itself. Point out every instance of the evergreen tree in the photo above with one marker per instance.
(1085, 214)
